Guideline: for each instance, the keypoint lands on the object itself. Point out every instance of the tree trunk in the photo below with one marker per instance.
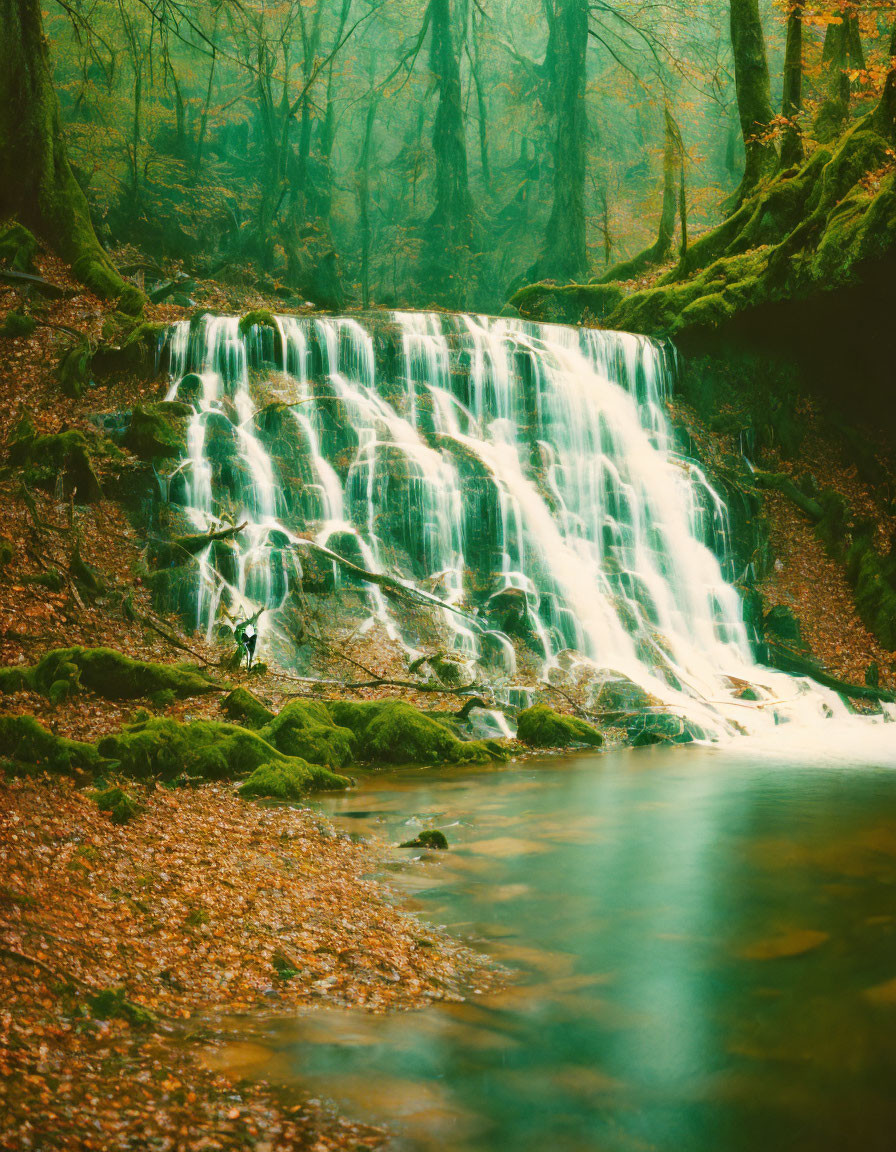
(792, 100)
(753, 97)
(834, 110)
(449, 231)
(38, 185)
(364, 198)
(563, 254)
(885, 113)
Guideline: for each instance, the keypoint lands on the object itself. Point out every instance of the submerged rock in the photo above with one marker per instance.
(431, 838)
(542, 727)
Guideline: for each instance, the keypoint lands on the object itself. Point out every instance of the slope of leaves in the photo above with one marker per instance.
(200, 901)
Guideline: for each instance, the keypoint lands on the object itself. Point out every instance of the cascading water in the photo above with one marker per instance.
(522, 476)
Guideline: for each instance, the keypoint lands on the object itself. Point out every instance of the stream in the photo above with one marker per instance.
(705, 941)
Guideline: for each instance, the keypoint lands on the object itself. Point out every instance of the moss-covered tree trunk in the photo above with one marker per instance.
(661, 249)
(563, 255)
(834, 108)
(792, 99)
(37, 184)
(753, 95)
(449, 230)
(885, 114)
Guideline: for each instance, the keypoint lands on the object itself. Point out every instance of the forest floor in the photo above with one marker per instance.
(111, 936)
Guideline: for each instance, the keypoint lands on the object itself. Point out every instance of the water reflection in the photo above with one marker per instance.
(709, 948)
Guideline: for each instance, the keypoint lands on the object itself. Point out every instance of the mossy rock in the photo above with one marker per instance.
(258, 318)
(431, 838)
(131, 351)
(112, 1003)
(28, 743)
(165, 748)
(121, 806)
(542, 727)
(568, 303)
(304, 728)
(158, 431)
(290, 779)
(18, 247)
(47, 458)
(394, 732)
(17, 325)
(242, 707)
(159, 747)
(107, 673)
(74, 371)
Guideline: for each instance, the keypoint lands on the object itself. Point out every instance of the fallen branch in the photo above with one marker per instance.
(150, 623)
(778, 482)
(387, 582)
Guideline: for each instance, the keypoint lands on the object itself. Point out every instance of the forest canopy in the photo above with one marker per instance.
(442, 151)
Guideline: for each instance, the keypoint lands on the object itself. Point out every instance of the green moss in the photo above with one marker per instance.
(585, 303)
(106, 672)
(121, 806)
(74, 370)
(17, 325)
(52, 580)
(244, 708)
(27, 742)
(259, 317)
(431, 838)
(304, 728)
(167, 749)
(394, 732)
(164, 698)
(158, 431)
(18, 247)
(542, 727)
(112, 1003)
(290, 780)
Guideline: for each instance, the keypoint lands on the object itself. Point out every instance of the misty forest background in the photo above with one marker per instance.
(435, 152)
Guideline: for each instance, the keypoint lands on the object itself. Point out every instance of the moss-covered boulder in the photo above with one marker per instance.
(121, 806)
(542, 727)
(290, 780)
(27, 743)
(242, 707)
(394, 732)
(305, 728)
(258, 318)
(66, 455)
(158, 431)
(18, 246)
(159, 747)
(107, 673)
(17, 325)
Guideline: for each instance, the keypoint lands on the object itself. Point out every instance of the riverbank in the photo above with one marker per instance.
(112, 936)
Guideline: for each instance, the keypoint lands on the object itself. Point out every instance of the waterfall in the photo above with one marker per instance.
(522, 477)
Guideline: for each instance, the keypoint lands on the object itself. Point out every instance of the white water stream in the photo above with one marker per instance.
(488, 462)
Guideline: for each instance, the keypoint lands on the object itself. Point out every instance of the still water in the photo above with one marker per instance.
(707, 942)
